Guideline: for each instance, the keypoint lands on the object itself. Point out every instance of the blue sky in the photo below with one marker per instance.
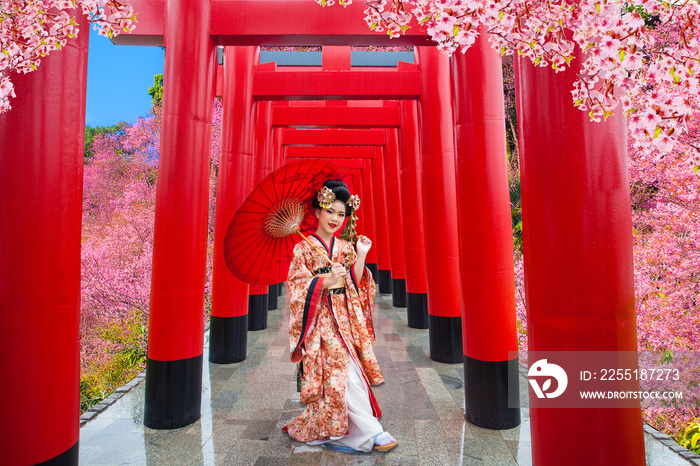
(118, 80)
(119, 76)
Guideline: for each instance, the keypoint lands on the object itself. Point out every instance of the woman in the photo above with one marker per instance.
(331, 333)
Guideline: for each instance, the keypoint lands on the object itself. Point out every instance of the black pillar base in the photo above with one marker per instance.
(445, 339)
(373, 268)
(67, 458)
(257, 312)
(272, 295)
(280, 288)
(228, 338)
(487, 393)
(398, 292)
(173, 393)
(417, 310)
(384, 281)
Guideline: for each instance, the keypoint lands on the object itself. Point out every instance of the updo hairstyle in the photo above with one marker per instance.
(341, 191)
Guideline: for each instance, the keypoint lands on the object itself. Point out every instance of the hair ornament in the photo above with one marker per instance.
(354, 202)
(325, 197)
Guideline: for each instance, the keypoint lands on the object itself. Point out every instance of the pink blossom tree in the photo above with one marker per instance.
(116, 251)
(117, 246)
(666, 222)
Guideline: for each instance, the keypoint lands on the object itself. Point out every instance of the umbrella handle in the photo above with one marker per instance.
(297, 230)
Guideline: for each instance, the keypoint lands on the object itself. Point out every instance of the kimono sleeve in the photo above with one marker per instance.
(304, 299)
(366, 288)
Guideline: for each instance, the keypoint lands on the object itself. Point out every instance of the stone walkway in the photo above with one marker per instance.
(245, 406)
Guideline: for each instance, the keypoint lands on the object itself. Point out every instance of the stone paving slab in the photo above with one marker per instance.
(422, 404)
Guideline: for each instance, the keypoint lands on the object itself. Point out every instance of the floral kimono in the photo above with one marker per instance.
(327, 328)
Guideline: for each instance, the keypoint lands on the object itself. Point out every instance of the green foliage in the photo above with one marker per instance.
(512, 152)
(91, 133)
(92, 391)
(511, 132)
(667, 357)
(642, 194)
(127, 357)
(690, 436)
(650, 20)
(130, 336)
(156, 91)
(509, 105)
(516, 216)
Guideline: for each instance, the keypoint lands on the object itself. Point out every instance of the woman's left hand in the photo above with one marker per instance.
(363, 244)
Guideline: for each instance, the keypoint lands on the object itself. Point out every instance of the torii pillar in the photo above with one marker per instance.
(277, 162)
(578, 257)
(264, 165)
(413, 219)
(394, 216)
(440, 207)
(228, 332)
(485, 239)
(176, 321)
(41, 191)
(258, 301)
(379, 206)
(368, 214)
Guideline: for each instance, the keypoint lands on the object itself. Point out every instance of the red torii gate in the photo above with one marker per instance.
(333, 137)
(292, 83)
(340, 137)
(445, 339)
(561, 314)
(393, 281)
(442, 254)
(446, 330)
(337, 137)
(300, 83)
(414, 251)
(351, 117)
(355, 166)
(317, 114)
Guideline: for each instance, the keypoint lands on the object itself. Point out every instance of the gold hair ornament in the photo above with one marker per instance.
(354, 202)
(325, 197)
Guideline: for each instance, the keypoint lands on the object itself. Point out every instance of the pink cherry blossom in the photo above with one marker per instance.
(30, 30)
(117, 241)
(624, 56)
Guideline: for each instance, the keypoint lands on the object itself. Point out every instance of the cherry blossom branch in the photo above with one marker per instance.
(620, 53)
(31, 29)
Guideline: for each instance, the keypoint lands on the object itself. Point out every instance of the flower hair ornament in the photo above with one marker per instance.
(349, 233)
(325, 197)
(354, 202)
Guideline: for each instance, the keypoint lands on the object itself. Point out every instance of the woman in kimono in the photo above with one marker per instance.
(331, 333)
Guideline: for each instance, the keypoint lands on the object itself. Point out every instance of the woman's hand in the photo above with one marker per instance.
(337, 271)
(363, 245)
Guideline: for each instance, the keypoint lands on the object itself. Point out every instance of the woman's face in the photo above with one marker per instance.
(330, 220)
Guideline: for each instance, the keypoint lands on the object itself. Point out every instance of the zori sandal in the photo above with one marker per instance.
(384, 442)
(386, 447)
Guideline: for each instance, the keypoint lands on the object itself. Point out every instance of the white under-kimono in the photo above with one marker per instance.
(363, 428)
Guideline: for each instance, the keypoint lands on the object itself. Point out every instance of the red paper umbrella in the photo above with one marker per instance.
(259, 243)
